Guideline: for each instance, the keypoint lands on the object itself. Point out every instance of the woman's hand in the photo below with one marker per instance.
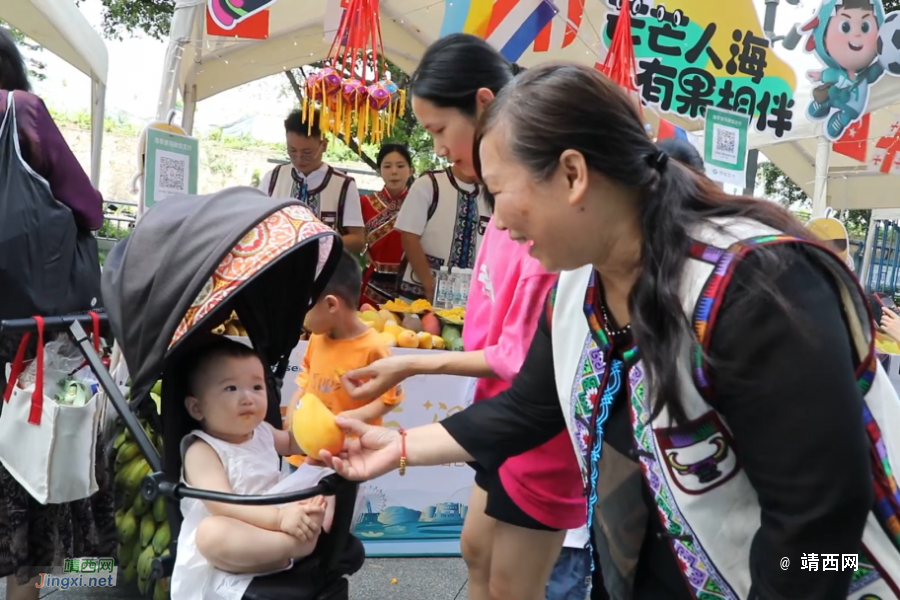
(368, 451)
(890, 324)
(375, 380)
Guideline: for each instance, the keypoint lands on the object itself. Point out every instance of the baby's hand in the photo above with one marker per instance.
(302, 520)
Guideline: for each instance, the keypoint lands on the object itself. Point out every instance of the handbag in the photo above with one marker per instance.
(48, 266)
(49, 448)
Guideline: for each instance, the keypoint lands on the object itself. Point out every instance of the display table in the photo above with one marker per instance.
(420, 514)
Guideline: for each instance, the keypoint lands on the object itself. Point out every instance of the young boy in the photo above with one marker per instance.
(341, 342)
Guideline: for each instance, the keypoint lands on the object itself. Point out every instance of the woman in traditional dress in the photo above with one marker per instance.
(711, 362)
(518, 513)
(441, 224)
(35, 536)
(379, 210)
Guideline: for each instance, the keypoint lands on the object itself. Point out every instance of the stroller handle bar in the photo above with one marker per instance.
(28, 324)
(156, 484)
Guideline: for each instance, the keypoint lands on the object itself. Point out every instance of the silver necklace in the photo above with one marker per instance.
(607, 324)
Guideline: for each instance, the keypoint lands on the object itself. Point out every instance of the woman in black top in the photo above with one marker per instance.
(574, 175)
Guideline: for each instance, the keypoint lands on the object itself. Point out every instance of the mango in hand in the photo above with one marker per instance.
(314, 428)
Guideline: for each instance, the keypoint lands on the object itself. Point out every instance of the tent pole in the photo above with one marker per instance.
(820, 194)
(98, 108)
(868, 253)
(190, 106)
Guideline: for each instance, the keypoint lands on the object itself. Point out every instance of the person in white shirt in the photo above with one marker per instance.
(441, 224)
(329, 193)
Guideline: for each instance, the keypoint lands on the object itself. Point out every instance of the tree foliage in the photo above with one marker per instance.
(127, 17)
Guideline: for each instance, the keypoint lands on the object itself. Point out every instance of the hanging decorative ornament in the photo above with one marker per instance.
(620, 65)
(354, 90)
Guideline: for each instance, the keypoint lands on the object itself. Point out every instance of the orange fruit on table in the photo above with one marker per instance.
(426, 341)
(407, 339)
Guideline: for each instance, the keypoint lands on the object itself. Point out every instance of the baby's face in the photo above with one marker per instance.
(231, 400)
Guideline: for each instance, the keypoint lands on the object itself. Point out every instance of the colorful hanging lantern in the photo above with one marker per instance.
(354, 89)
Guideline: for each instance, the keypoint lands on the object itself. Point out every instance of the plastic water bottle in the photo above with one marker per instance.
(453, 288)
(441, 288)
(465, 283)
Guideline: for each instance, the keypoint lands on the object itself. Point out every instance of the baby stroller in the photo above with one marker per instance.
(187, 265)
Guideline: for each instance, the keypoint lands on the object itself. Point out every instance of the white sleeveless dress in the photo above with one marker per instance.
(252, 468)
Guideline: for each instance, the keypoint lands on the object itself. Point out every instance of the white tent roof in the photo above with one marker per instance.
(58, 26)
(850, 183)
(297, 36)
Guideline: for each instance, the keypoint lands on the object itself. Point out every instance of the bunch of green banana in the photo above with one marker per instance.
(143, 527)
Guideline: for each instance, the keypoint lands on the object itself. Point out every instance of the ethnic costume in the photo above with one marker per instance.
(385, 249)
(707, 507)
(451, 218)
(329, 193)
(805, 411)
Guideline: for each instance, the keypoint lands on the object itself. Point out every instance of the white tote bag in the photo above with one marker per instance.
(49, 448)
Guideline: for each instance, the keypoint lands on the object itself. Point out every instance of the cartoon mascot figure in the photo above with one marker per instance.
(844, 37)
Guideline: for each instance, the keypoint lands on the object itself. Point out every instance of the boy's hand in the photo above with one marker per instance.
(299, 519)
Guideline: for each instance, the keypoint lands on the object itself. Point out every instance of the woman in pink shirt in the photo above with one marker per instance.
(517, 517)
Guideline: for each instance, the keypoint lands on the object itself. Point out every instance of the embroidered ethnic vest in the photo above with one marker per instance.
(705, 486)
(326, 201)
(457, 220)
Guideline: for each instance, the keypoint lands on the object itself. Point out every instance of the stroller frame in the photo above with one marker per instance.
(157, 484)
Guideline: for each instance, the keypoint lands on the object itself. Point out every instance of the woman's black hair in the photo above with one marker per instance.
(557, 107)
(13, 74)
(400, 149)
(682, 151)
(455, 67)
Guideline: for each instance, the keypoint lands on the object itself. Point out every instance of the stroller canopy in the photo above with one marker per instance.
(189, 254)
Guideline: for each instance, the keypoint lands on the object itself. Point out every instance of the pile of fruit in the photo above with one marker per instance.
(407, 329)
(143, 528)
(231, 327)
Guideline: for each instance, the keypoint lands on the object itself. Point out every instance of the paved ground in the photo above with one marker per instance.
(417, 579)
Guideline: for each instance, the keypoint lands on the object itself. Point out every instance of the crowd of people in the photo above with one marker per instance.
(676, 388)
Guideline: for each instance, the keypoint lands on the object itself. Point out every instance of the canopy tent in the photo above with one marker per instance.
(850, 184)
(200, 65)
(58, 26)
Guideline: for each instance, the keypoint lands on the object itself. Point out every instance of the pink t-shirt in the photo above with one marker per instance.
(506, 296)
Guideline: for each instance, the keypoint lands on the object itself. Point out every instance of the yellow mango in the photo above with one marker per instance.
(314, 428)
(373, 319)
(392, 328)
(389, 338)
(426, 342)
(437, 342)
(407, 339)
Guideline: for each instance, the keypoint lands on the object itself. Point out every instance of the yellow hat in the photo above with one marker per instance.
(832, 232)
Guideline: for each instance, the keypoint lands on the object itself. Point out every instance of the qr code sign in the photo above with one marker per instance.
(171, 173)
(725, 142)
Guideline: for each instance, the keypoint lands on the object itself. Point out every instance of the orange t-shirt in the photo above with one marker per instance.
(327, 359)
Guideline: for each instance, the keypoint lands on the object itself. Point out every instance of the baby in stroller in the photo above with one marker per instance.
(221, 547)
